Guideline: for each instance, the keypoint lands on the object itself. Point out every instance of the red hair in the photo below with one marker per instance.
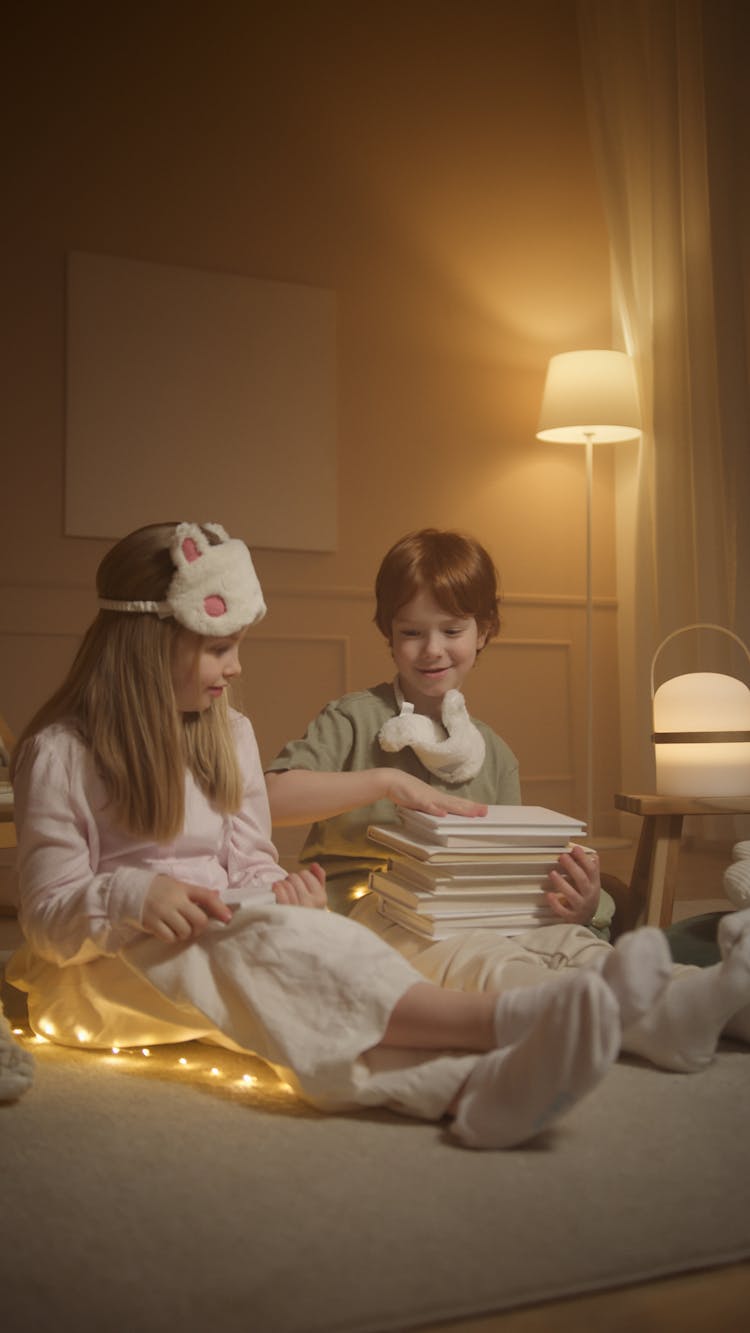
(453, 568)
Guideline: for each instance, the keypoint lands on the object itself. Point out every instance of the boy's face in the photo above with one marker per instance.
(203, 668)
(434, 651)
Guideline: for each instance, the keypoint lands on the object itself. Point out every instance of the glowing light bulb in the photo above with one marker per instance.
(42, 1041)
(145, 1050)
(47, 1027)
(115, 1050)
(82, 1034)
(250, 1080)
(215, 1071)
(182, 1060)
(17, 1032)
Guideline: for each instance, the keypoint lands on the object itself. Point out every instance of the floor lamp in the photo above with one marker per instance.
(590, 398)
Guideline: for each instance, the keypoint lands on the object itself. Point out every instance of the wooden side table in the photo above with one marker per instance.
(654, 877)
(7, 835)
(7, 827)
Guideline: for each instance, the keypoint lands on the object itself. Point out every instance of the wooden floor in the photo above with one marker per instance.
(715, 1301)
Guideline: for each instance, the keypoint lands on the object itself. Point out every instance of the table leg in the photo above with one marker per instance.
(666, 838)
(641, 873)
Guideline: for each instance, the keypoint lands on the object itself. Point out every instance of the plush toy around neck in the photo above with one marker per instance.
(452, 758)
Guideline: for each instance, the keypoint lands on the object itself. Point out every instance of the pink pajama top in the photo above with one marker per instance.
(83, 881)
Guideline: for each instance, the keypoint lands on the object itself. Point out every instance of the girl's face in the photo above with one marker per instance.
(203, 668)
(434, 651)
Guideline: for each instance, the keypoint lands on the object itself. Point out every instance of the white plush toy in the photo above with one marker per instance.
(737, 876)
(454, 758)
(16, 1064)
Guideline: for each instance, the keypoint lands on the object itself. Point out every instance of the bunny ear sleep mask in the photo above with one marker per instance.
(214, 590)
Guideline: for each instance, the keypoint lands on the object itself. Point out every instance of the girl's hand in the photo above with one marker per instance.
(413, 794)
(176, 911)
(575, 899)
(305, 888)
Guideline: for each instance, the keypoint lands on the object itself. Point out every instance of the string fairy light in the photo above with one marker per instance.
(244, 1082)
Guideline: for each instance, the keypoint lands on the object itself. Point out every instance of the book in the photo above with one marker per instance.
(514, 855)
(508, 838)
(442, 928)
(521, 818)
(502, 825)
(447, 898)
(438, 879)
(461, 901)
(451, 873)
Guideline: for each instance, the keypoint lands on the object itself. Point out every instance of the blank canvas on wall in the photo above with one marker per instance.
(202, 396)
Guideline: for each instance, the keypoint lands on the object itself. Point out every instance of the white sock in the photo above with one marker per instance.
(638, 970)
(514, 1093)
(520, 1008)
(736, 882)
(732, 928)
(16, 1065)
(683, 1029)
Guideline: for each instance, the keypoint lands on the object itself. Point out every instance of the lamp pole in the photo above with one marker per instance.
(590, 396)
(589, 637)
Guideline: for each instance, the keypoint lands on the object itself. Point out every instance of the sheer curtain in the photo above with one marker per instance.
(669, 112)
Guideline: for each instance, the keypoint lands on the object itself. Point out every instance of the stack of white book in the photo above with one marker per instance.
(450, 873)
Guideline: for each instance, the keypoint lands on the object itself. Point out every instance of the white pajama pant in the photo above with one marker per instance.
(307, 991)
(485, 960)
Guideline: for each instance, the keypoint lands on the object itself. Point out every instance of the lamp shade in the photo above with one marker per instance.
(702, 733)
(590, 396)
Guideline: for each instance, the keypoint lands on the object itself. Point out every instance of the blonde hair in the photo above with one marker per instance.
(119, 698)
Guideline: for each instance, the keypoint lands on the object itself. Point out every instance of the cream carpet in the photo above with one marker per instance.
(143, 1194)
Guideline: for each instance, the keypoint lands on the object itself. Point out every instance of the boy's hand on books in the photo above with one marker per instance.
(175, 911)
(575, 886)
(413, 794)
(303, 888)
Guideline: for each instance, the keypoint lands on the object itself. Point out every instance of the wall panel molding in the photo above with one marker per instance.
(319, 643)
(19, 593)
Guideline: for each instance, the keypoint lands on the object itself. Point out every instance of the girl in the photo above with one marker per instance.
(154, 908)
(412, 743)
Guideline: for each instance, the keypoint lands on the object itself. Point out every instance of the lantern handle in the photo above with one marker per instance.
(700, 625)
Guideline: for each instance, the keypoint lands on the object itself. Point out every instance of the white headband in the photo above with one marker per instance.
(214, 591)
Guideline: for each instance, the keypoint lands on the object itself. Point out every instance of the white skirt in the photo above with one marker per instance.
(307, 991)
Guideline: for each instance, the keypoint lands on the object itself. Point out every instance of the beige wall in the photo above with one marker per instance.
(427, 161)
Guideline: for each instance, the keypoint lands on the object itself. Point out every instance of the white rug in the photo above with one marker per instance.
(141, 1194)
